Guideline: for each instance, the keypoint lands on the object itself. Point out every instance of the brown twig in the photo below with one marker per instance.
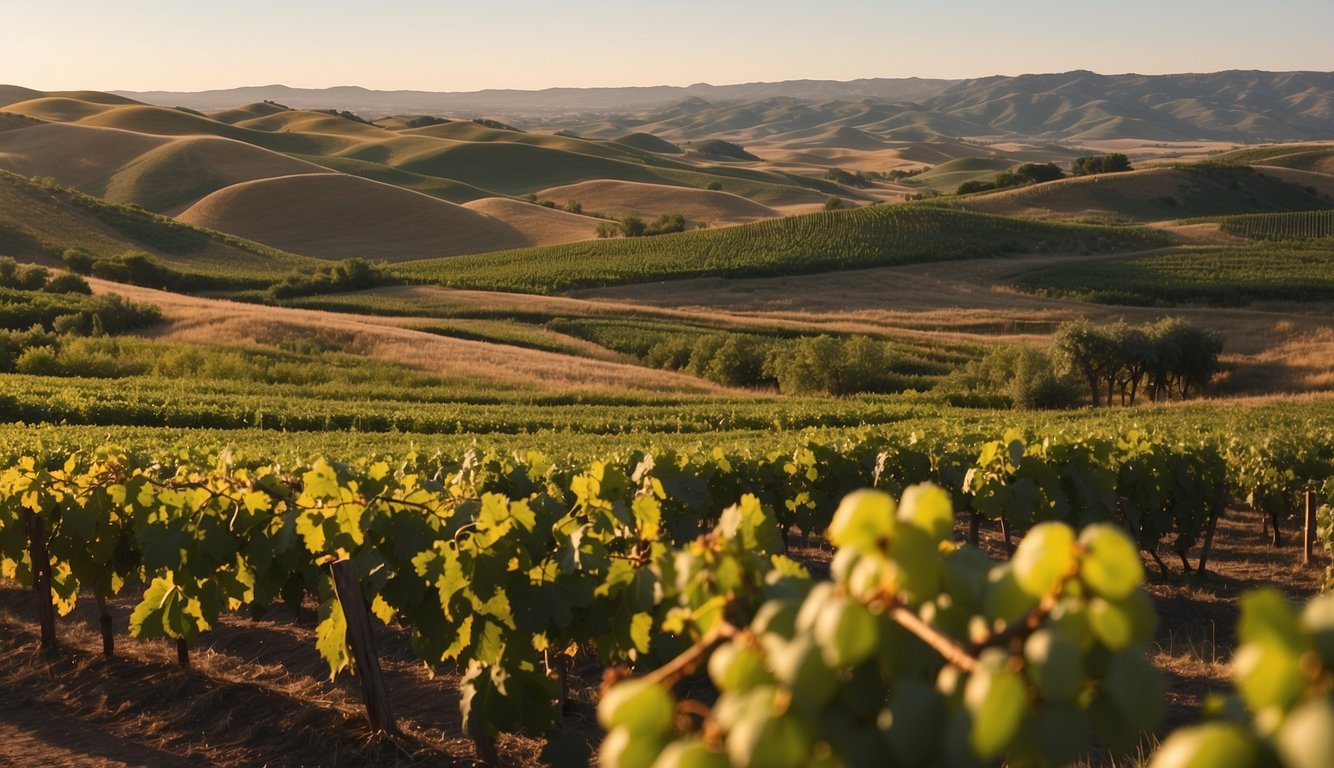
(673, 670)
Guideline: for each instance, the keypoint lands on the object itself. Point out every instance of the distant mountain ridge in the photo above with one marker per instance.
(1079, 106)
(547, 101)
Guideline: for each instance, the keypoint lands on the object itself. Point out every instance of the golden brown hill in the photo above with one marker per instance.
(73, 155)
(640, 199)
(541, 225)
(177, 174)
(334, 216)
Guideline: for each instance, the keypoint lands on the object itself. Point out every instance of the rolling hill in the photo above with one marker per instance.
(39, 221)
(1152, 194)
(336, 216)
(621, 198)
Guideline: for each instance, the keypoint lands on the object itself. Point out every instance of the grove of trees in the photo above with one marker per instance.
(1112, 162)
(1165, 359)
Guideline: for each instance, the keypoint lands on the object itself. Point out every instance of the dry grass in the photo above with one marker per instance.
(73, 155)
(650, 200)
(212, 321)
(1268, 348)
(538, 225)
(336, 216)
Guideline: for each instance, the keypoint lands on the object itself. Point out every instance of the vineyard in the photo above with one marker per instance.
(876, 236)
(1306, 225)
(1291, 271)
(513, 569)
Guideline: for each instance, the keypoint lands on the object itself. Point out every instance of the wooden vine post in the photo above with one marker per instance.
(359, 638)
(108, 639)
(1308, 537)
(1213, 525)
(41, 580)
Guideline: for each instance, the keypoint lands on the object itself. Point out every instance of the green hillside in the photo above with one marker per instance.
(1305, 157)
(1230, 277)
(1152, 194)
(946, 177)
(39, 221)
(836, 240)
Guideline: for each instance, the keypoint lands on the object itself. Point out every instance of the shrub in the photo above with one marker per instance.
(68, 282)
(38, 361)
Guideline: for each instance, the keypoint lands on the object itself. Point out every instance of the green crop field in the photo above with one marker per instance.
(1225, 277)
(1303, 225)
(875, 236)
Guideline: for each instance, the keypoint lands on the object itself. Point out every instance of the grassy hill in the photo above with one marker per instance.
(179, 173)
(1152, 194)
(457, 160)
(336, 216)
(946, 177)
(836, 240)
(1304, 157)
(649, 200)
(39, 221)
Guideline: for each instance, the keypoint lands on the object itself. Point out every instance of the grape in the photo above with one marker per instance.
(776, 616)
(1043, 558)
(642, 707)
(1213, 745)
(930, 509)
(1121, 624)
(1306, 739)
(690, 754)
(1005, 600)
(1111, 566)
(846, 632)
(623, 749)
(735, 666)
(917, 559)
(997, 701)
(1318, 619)
(1054, 665)
(864, 521)
(762, 740)
(800, 666)
(1268, 675)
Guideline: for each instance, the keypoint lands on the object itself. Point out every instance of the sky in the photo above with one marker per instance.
(455, 46)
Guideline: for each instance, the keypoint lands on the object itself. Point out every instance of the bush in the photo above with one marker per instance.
(826, 365)
(833, 203)
(38, 361)
(1036, 384)
(666, 223)
(1019, 376)
(346, 275)
(68, 282)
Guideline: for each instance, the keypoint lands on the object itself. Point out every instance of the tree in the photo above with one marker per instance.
(833, 203)
(1040, 172)
(1112, 162)
(1088, 351)
(666, 223)
(633, 226)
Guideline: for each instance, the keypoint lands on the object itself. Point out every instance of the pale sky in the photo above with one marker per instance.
(526, 44)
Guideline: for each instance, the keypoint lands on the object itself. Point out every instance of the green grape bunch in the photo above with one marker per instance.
(917, 652)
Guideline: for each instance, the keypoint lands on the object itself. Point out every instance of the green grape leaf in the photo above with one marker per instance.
(331, 636)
